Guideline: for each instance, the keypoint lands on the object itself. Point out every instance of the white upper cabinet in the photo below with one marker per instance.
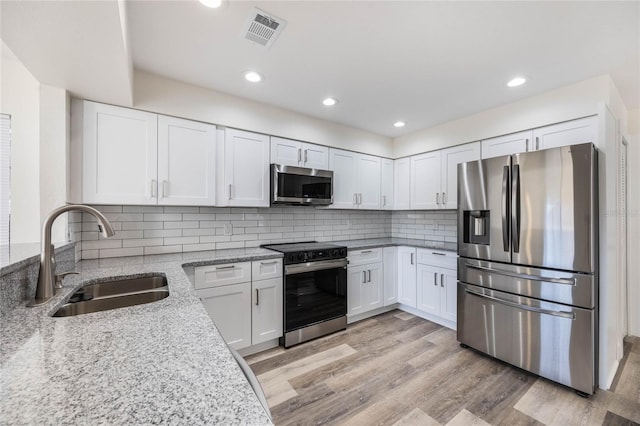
(508, 144)
(434, 176)
(300, 154)
(451, 157)
(386, 184)
(402, 184)
(425, 181)
(246, 169)
(572, 132)
(356, 180)
(119, 154)
(186, 162)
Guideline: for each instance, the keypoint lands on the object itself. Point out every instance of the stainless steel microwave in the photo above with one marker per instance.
(301, 185)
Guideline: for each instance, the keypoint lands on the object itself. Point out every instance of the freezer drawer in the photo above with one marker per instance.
(551, 340)
(555, 286)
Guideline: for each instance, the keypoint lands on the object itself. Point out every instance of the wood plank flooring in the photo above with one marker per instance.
(398, 369)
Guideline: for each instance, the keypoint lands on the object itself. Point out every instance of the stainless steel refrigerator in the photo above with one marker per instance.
(528, 261)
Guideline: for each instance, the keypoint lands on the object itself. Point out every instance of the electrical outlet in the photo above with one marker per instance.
(228, 229)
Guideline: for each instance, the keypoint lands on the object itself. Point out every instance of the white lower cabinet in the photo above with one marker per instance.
(266, 310)
(244, 300)
(407, 276)
(390, 275)
(437, 285)
(364, 288)
(229, 307)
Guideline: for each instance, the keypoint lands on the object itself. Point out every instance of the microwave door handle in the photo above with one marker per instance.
(505, 208)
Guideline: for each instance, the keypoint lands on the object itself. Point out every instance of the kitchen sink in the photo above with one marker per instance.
(114, 294)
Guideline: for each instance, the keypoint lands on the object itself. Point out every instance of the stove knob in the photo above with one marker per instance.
(335, 253)
(291, 258)
(343, 252)
(301, 256)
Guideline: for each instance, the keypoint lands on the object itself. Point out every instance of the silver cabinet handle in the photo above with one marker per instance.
(355, 198)
(364, 277)
(225, 267)
(437, 198)
(384, 200)
(257, 297)
(299, 155)
(305, 156)
(154, 188)
(526, 145)
(537, 143)
(441, 280)
(164, 188)
(269, 263)
(365, 251)
(444, 198)
(229, 191)
(438, 254)
(435, 279)
(359, 198)
(412, 258)
(369, 273)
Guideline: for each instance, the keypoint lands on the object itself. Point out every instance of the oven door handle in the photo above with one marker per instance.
(300, 268)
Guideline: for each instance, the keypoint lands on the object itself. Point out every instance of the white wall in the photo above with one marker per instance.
(566, 103)
(161, 95)
(633, 206)
(54, 134)
(20, 98)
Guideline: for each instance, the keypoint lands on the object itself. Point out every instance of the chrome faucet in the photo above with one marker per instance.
(47, 276)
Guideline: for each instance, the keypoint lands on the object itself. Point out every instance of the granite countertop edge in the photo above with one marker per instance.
(396, 242)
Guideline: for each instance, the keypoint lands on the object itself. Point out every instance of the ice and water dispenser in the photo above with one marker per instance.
(476, 227)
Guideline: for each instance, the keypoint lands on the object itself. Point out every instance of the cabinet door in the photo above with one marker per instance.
(186, 162)
(513, 143)
(315, 156)
(356, 281)
(402, 184)
(386, 184)
(407, 276)
(286, 151)
(572, 132)
(390, 275)
(120, 155)
(230, 309)
(428, 289)
(368, 182)
(451, 157)
(373, 287)
(448, 294)
(343, 164)
(246, 162)
(266, 310)
(425, 181)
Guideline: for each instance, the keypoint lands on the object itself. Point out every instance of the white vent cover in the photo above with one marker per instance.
(263, 28)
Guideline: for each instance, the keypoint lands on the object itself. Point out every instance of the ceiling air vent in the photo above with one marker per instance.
(263, 28)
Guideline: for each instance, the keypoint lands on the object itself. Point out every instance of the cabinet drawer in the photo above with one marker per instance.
(225, 274)
(266, 269)
(440, 258)
(364, 256)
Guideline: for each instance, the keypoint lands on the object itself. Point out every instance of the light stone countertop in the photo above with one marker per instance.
(392, 242)
(162, 362)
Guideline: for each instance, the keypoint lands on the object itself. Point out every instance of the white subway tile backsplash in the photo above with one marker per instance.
(170, 229)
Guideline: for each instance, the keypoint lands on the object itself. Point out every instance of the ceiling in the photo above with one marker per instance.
(424, 63)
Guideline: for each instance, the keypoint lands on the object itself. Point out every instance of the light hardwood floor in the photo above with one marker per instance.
(398, 369)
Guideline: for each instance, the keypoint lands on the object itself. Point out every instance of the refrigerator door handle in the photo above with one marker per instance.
(562, 314)
(515, 209)
(541, 278)
(505, 208)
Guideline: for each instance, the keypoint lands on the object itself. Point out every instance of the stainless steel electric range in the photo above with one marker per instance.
(315, 290)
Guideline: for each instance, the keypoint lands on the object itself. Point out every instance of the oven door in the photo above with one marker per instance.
(300, 185)
(314, 292)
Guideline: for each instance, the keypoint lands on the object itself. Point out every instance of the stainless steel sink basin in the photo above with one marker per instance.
(114, 294)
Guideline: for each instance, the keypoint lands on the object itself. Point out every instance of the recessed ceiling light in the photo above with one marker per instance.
(329, 102)
(399, 123)
(517, 81)
(253, 76)
(212, 3)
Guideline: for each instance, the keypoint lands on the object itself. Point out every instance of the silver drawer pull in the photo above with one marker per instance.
(225, 267)
(269, 263)
(366, 251)
(561, 314)
(438, 254)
